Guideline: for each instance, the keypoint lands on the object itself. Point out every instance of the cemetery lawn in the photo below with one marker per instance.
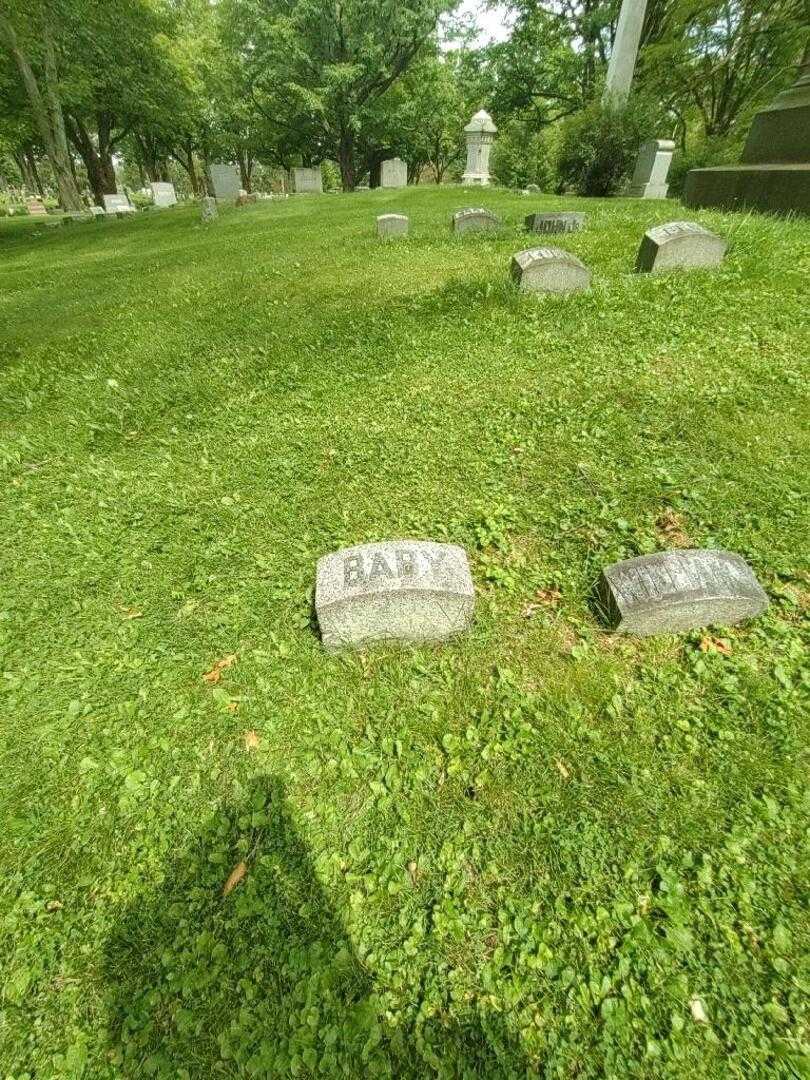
(540, 850)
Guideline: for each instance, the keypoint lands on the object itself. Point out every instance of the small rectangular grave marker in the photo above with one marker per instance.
(163, 194)
(474, 219)
(555, 222)
(114, 204)
(549, 270)
(399, 590)
(679, 245)
(392, 225)
(679, 590)
(307, 180)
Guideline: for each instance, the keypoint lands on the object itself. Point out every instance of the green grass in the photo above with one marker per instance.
(524, 853)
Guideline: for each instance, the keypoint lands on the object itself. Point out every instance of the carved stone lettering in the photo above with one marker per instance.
(549, 270)
(679, 245)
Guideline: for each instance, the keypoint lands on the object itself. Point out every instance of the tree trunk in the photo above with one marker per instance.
(24, 165)
(84, 145)
(32, 161)
(245, 169)
(346, 161)
(49, 119)
(185, 156)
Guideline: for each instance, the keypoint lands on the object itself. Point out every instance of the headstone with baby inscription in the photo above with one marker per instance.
(679, 245)
(556, 221)
(679, 590)
(399, 590)
(474, 219)
(549, 270)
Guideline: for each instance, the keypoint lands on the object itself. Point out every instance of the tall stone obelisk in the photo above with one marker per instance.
(622, 62)
(774, 172)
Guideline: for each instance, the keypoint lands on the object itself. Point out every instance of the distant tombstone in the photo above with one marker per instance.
(115, 204)
(533, 189)
(394, 173)
(679, 590)
(652, 165)
(208, 209)
(97, 212)
(225, 181)
(392, 225)
(474, 220)
(81, 217)
(549, 270)
(558, 221)
(163, 194)
(679, 245)
(399, 590)
(37, 209)
(307, 180)
(479, 135)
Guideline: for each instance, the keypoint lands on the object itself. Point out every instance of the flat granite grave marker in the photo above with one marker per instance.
(392, 225)
(549, 270)
(474, 219)
(399, 590)
(558, 221)
(679, 245)
(208, 209)
(679, 590)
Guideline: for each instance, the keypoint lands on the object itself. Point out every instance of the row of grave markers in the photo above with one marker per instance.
(676, 245)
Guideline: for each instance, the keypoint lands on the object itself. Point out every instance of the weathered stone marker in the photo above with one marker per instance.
(37, 208)
(208, 209)
(118, 204)
(392, 225)
(394, 173)
(650, 174)
(474, 219)
(558, 221)
(163, 194)
(307, 180)
(479, 135)
(679, 590)
(225, 181)
(549, 270)
(680, 245)
(399, 590)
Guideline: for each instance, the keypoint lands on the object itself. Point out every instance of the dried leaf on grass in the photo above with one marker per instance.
(670, 527)
(715, 644)
(543, 598)
(234, 878)
(562, 768)
(251, 740)
(212, 677)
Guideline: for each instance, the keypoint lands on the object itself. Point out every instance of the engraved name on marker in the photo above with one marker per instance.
(550, 270)
(679, 245)
(679, 590)
(399, 590)
(474, 219)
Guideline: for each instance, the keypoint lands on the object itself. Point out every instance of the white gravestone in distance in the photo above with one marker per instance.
(225, 181)
(392, 225)
(480, 135)
(652, 165)
(118, 204)
(679, 590)
(394, 173)
(163, 194)
(549, 270)
(399, 590)
(304, 180)
(474, 219)
(679, 245)
(555, 221)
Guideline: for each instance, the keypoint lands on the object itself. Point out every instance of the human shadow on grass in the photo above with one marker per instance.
(260, 979)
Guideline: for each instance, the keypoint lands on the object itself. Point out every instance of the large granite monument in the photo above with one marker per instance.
(774, 172)
(679, 590)
(400, 590)
(480, 135)
(650, 174)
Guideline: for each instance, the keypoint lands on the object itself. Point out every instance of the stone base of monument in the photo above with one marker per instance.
(400, 590)
(672, 591)
(775, 188)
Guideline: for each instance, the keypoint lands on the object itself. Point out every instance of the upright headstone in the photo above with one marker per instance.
(98, 212)
(400, 590)
(474, 219)
(679, 245)
(652, 165)
(225, 181)
(679, 590)
(208, 209)
(557, 221)
(307, 180)
(479, 135)
(774, 173)
(118, 204)
(549, 270)
(163, 194)
(392, 225)
(394, 173)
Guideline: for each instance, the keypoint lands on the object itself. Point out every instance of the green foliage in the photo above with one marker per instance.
(524, 854)
(522, 156)
(699, 154)
(597, 148)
